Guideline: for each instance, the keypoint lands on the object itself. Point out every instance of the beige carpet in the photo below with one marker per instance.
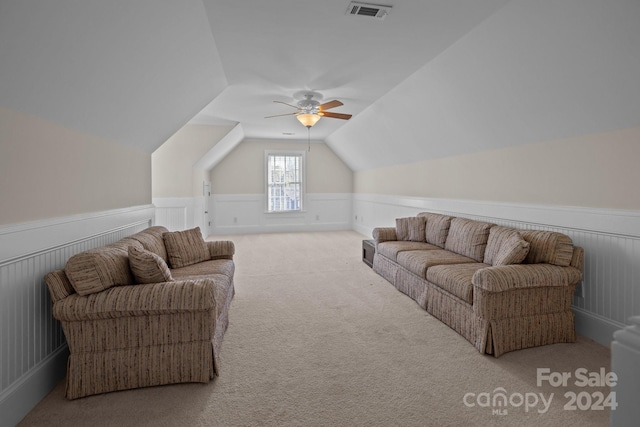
(316, 338)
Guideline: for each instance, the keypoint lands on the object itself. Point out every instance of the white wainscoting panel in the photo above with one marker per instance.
(181, 213)
(610, 238)
(32, 344)
(246, 213)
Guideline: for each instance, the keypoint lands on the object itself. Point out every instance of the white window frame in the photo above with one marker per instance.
(303, 177)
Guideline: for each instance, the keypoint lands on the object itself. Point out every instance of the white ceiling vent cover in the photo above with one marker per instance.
(368, 10)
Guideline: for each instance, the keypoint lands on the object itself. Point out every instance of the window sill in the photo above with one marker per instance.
(284, 212)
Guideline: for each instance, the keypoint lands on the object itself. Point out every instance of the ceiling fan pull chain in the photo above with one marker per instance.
(309, 137)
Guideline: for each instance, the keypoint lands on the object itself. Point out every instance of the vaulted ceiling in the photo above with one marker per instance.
(435, 78)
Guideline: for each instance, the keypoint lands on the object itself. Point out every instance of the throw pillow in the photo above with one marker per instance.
(437, 228)
(411, 229)
(468, 237)
(148, 267)
(185, 247)
(498, 234)
(99, 269)
(513, 250)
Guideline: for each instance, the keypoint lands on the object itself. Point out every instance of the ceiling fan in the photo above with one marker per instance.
(310, 110)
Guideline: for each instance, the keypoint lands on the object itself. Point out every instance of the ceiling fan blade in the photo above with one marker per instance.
(337, 115)
(279, 115)
(331, 104)
(280, 102)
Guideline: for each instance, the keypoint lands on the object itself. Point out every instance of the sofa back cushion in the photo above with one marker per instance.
(410, 229)
(548, 247)
(468, 237)
(505, 246)
(99, 269)
(437, 228)
(185, 247)
(152, 240)
(148, 267)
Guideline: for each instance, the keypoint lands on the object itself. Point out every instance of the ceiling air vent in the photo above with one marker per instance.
(368, 10)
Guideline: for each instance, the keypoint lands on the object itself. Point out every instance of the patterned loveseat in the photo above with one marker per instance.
(501, 288)
(131, 321)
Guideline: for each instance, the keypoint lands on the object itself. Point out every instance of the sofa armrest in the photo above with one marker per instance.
(518, 291)
(384, 234)
(221, 249)
(517, 276)
(139, 300)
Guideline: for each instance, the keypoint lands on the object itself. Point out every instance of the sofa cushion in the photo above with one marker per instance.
(225, 267)
(548, 247)
(418, 262)
(505, 246)
(455, 278)
(437, 228)
(392, 249)
(98, 269)
(185, 247)
(468, 237)
(411, 229)
(148, 267)
(152, 240)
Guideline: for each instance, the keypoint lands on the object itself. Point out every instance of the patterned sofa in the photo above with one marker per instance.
(501, 288)
(147, 310)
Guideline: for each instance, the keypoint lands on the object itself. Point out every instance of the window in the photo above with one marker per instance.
(285, 181)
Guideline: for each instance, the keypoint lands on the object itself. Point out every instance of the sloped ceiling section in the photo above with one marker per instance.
(132, 72)
(272, 50)
(534, 71)
(221, 149)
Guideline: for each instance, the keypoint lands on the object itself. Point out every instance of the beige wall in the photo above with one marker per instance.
(47, 171)
(242, 171)
(173, 174)
(587, 171)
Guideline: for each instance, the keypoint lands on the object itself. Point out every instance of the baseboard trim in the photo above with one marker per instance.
(595, 327)
(24, 395)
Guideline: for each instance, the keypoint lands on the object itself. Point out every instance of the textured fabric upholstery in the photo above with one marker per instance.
(136, 300)
(505, 277)
(185, 247)
(411, 229)
(148, 267)
(151, 240)
(99, 269)
(468, 237)
(548, 246)
(392, 249)
(512, 251)
(137, 334)
(217, 266)
(479, 288)
(418, 262)
(384, 234)
(455, 278)
(437, 228)
(505, 246)
(221, 249)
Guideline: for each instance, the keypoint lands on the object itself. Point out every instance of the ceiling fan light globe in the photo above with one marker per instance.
(308, 120)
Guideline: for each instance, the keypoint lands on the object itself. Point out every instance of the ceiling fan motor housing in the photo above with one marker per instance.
(309, 105)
